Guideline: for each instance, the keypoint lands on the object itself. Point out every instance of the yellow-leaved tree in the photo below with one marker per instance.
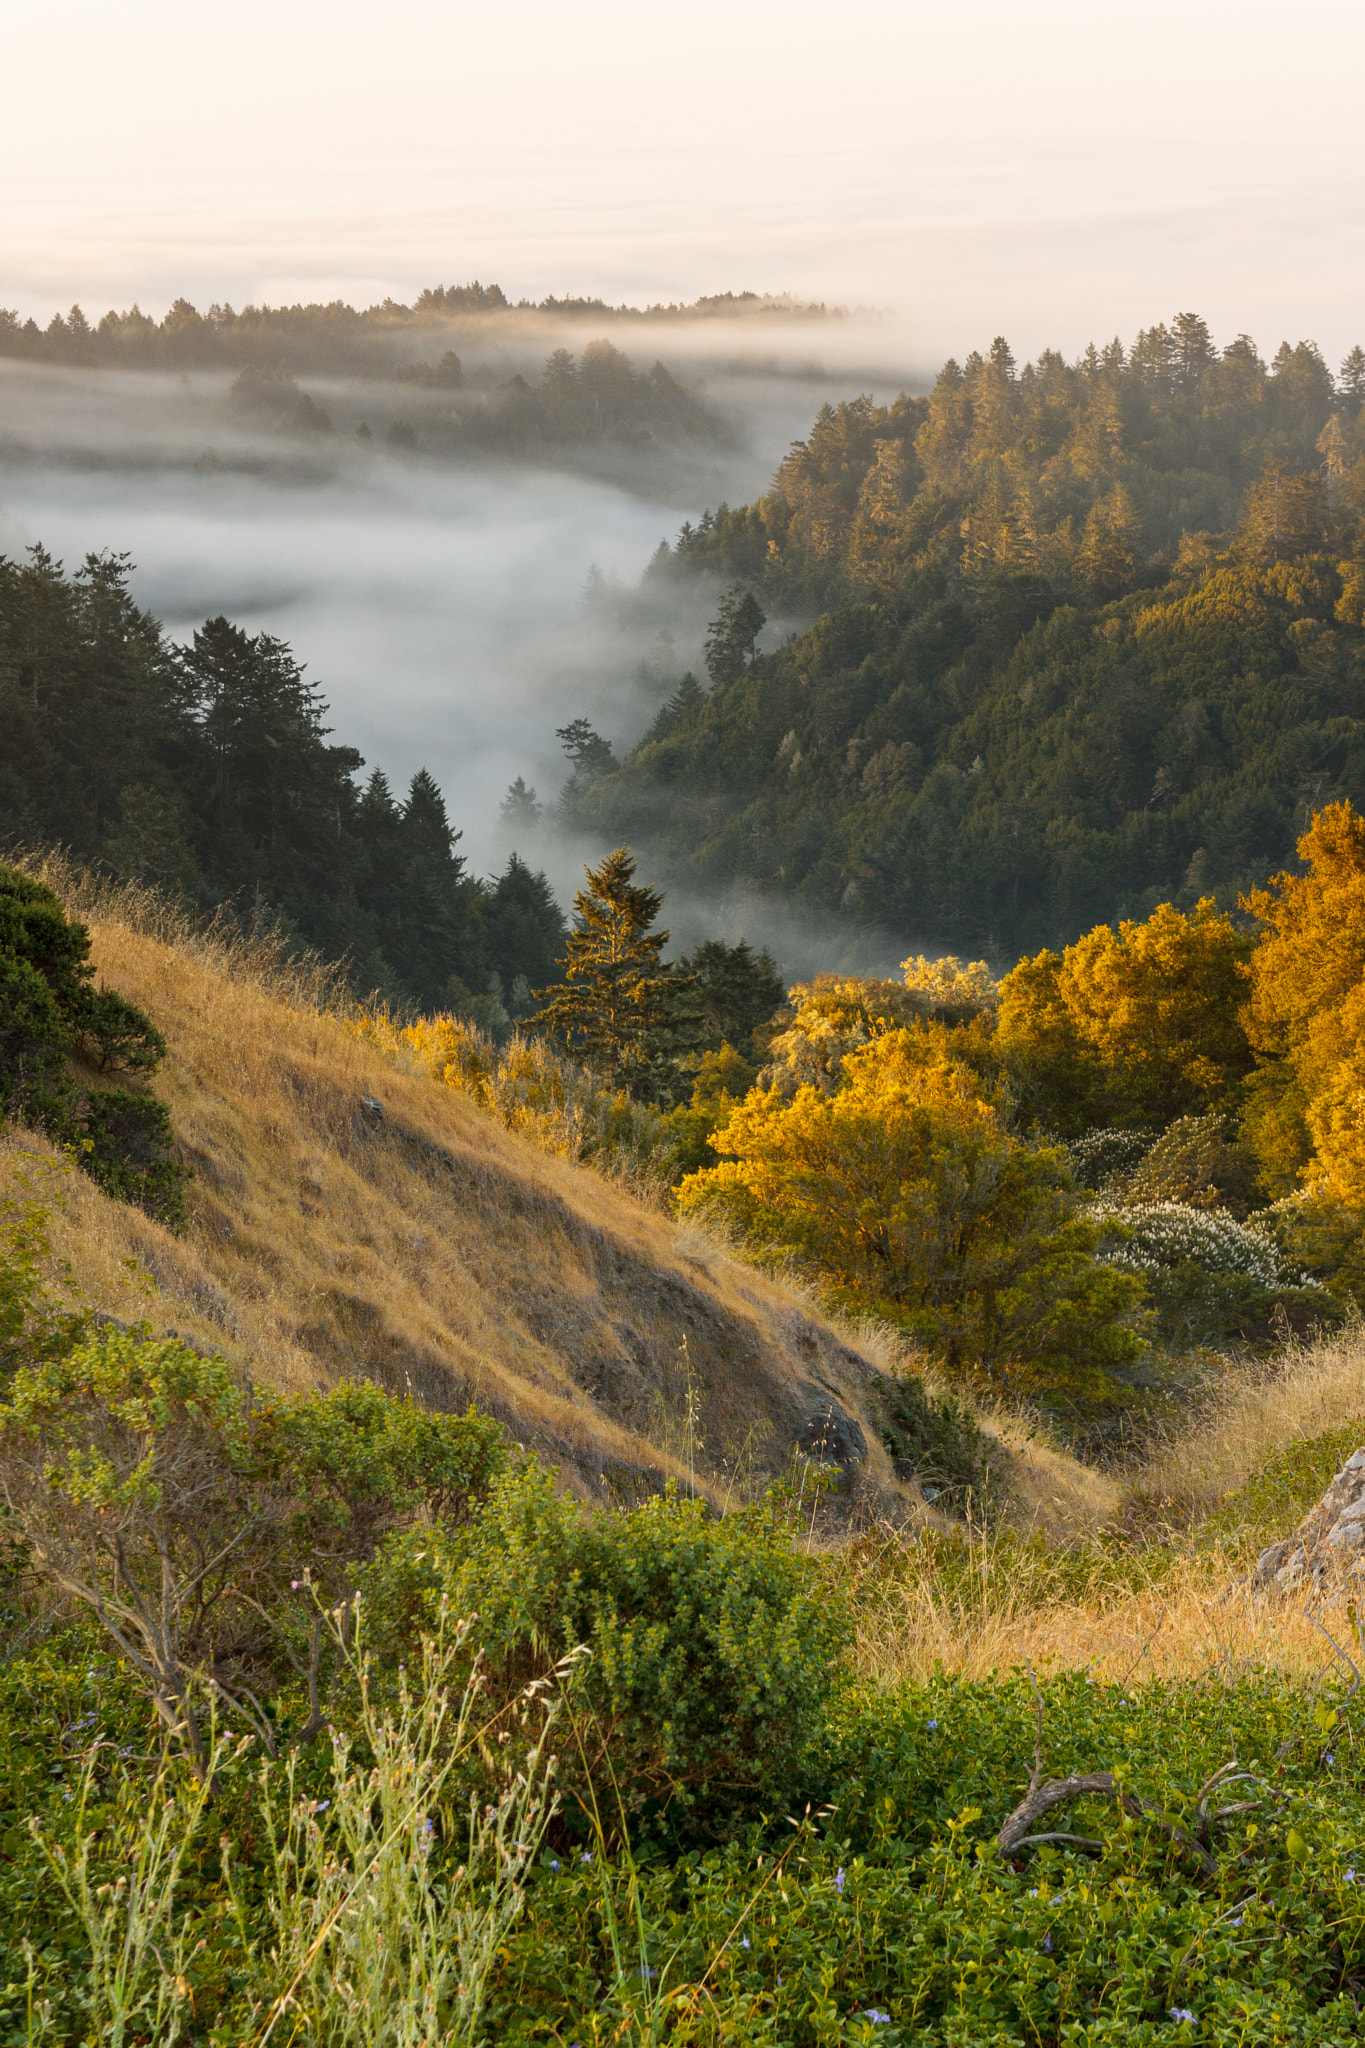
(1306, 1015)
(1134, 1025)
(901, 1192)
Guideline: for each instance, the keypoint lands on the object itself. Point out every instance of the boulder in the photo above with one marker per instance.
(1330, 1535)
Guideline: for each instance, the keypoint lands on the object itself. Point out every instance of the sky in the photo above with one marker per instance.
(1055, 172)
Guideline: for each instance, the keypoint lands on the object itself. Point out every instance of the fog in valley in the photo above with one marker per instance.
(441, 600)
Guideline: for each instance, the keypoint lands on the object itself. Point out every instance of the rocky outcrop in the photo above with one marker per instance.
(1331, 1536)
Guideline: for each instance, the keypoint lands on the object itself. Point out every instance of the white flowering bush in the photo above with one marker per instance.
(1102, 1155)
(1156, 1235)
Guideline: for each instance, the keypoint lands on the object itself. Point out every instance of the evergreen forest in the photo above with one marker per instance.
(209, 771)
(1087, 637)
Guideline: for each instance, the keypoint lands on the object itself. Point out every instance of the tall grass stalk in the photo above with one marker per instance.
(135, 1985)
(387, 1901)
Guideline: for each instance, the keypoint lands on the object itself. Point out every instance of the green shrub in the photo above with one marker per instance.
(713, 1642)
(196, 1519)
(938, 1441)
(34, 1325)
(51, 1014)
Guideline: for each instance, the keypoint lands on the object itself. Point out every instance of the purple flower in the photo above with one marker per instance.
(586, 1857)
(744, 1941)
(1349, 1878)
(839, 1881)
(554, 1864)
(321, 1805)
(878, 2019)
(933, 1724)
(1183, 2015)
(1047, 1943)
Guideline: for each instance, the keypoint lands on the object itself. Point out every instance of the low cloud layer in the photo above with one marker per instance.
(439, 604)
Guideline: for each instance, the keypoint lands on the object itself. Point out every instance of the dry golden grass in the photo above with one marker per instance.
(1196, 1619)
(1163, 1608)
(1255, 1411)
(428, 1248)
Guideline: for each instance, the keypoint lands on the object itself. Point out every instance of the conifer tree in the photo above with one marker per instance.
(617, 1008)
(519, 807)
(439, 937)
(687, 698)
(1108, 550)
(731, 638)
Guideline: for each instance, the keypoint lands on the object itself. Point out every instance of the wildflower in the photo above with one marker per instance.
(839, 1881)
(646, 1972)
(586, 1857)
(1237, 1922)
(878, 2019)
(1183, 2015)
(1047, 1943)
(554, 1865)
(321, 1805)
(744, 1941)
(1034, 1893)
(933, 1724)
(1349, 1878)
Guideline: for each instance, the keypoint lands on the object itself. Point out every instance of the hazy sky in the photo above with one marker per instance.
(1058, 170)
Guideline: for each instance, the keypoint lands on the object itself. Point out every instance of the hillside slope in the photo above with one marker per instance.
(424, 1246)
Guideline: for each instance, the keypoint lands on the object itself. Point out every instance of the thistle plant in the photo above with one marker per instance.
(386, 1901)
(136, 1954)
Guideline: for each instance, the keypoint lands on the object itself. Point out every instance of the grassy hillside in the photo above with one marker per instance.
(423, 1245)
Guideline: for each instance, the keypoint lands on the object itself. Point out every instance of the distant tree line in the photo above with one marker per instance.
(209, 770)
(365, 341)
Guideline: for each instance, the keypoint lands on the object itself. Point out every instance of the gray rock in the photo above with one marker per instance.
(1329, 1533)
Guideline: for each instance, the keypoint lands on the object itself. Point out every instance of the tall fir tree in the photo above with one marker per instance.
(617, 1008)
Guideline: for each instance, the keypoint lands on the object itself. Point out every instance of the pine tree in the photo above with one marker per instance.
(440, 941)
(731, 638)
(520, 809)
(591, 756)
(618, 1002)
(1108, 550)
(524, 927)
(737, 992)
(687, 698)
(1353, 375)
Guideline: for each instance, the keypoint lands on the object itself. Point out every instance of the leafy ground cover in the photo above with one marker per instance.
(879, 1908)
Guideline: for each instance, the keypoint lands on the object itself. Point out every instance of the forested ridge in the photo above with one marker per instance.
(210, 771)
(1090, 638)
(334, 337)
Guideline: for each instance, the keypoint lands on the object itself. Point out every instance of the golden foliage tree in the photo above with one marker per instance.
(1130, 1025)
(902, 1191)
(1306, 1013)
